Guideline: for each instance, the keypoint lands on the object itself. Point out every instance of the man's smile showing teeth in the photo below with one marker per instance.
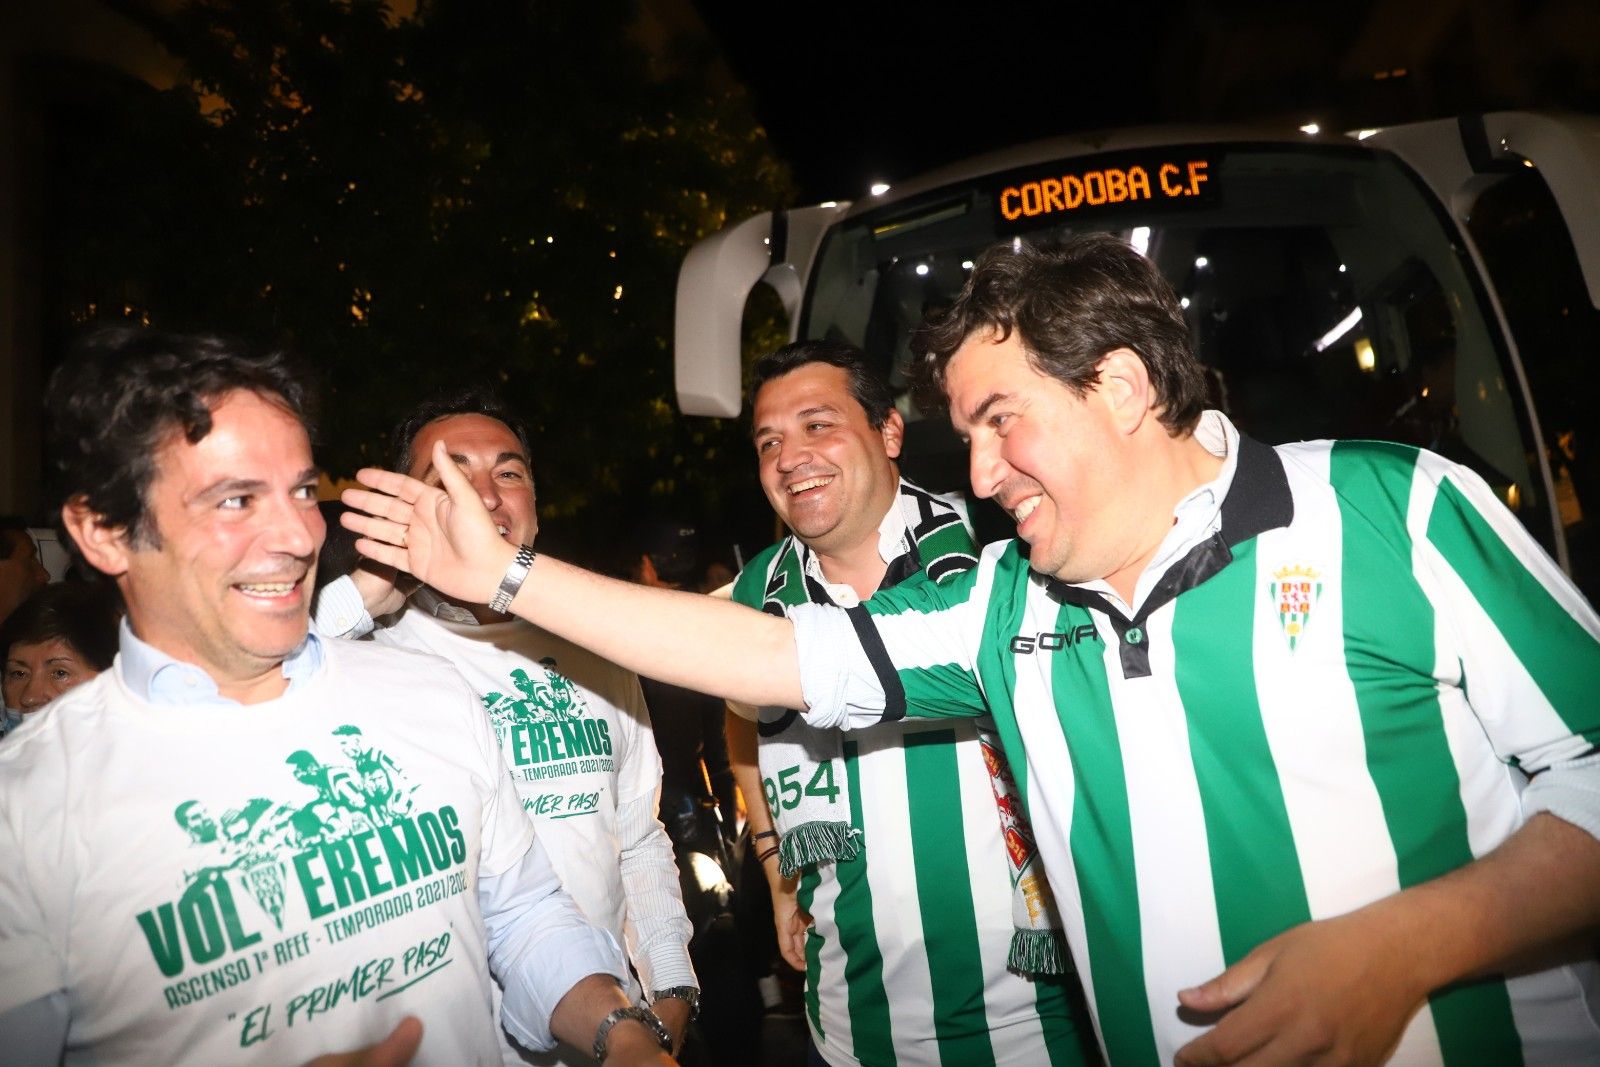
(810, 483)
(1024, 509)
(266, 589)
(502, 530)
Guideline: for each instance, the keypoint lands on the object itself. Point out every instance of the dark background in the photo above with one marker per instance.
(851, 93)
(376, 185)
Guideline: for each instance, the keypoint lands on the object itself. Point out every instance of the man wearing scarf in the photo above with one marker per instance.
(909, 958)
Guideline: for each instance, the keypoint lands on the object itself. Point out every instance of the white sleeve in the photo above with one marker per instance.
(657, 928)
(860, 667)
(841, 688)
(655, 920)
(540, 946)
(1569, 791)
(339, 610)
(35, 1034)
(1526, 643)
(32, 965)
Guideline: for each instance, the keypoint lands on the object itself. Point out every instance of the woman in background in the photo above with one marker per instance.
(62, 635)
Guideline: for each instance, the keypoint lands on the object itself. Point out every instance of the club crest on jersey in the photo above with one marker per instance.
(1295, 589)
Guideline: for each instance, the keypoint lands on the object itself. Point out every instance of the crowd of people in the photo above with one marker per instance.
(1234, 754)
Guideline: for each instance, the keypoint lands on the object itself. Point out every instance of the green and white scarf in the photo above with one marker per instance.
(809, 832)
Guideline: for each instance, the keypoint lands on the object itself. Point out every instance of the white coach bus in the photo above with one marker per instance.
(1434, 283)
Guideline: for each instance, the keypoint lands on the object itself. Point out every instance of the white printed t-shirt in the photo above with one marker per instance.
(258, 883)
(574, 733)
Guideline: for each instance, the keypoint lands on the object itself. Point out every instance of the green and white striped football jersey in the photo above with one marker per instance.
(906, 961)
(1334, 695)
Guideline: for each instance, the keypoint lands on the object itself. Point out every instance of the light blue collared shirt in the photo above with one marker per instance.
(164, 681)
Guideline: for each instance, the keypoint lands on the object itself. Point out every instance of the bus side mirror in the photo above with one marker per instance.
(717, 275)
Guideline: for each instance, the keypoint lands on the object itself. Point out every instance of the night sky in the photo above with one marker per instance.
(851, 93)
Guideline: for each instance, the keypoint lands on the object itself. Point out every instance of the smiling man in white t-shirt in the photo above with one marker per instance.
(572, 728)
(305, 917)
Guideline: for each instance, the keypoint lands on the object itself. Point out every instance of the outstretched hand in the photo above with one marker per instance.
(396, 1050)
(443, 536)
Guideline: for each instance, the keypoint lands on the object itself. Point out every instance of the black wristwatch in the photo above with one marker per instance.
(686, 993)
(638, 1014)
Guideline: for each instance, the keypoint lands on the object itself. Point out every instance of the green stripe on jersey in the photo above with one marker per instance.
(1064, 1018)
(1063, 1014)
(1545, 638)
(944, 897)
(933, 690)
(1255, 867)
(1101, 839)
(870, 1034)
(1389, 656)
(997, 664)
(809, 880)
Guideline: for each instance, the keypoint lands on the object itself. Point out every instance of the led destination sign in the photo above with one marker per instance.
(1052, 191)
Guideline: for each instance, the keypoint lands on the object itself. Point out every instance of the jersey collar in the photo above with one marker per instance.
(1255, 498)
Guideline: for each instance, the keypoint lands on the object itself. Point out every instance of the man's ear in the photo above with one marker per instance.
(1125, 389)
(105, 547)
(894, 433)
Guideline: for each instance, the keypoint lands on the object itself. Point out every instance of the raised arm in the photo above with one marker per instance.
(445, 538)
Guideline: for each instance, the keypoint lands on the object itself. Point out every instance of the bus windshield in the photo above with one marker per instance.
(1322, 288)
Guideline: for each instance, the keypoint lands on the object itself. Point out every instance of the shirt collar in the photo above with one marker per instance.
(1195, 518)
(1249, 496)
(160, 679)
(894, 541)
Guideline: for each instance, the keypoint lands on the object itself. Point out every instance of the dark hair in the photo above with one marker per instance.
(122, 390)
(81, 614)
(1070, 303)
(471, 400)
(869, 388)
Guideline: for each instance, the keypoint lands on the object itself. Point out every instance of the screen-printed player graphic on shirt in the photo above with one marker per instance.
(351, 798)
(348, 835)
(551, 732)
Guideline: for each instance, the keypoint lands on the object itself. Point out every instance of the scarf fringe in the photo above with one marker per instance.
(1035, 953)
(817, 842)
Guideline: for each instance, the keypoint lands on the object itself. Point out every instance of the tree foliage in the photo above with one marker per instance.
(481, 191)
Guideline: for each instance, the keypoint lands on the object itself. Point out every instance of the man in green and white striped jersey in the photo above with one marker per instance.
(1308, 734)
(1240, 677)
(906, 960)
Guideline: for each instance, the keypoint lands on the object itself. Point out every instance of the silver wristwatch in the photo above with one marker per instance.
(638, 1014)
(686, 993)
(516, 574)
